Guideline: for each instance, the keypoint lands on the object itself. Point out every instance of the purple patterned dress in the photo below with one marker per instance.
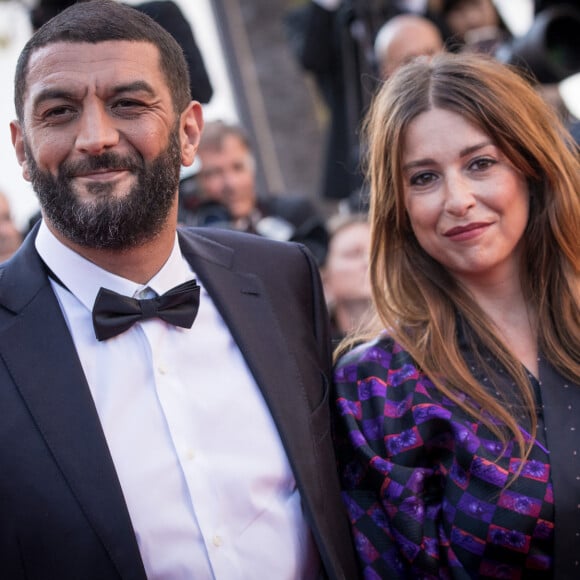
(423, 486)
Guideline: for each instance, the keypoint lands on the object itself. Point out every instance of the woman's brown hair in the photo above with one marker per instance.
(415, 297)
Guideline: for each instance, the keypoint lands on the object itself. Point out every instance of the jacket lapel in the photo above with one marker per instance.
(39, 352)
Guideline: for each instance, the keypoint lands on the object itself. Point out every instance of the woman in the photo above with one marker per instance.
(345, 273)
(458, 432)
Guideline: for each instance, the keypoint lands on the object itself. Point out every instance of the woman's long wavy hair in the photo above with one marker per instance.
(415, 297)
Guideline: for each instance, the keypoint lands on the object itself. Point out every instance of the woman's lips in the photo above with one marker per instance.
(467, 232)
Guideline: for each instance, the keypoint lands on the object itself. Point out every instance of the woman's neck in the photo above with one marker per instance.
(516, 322)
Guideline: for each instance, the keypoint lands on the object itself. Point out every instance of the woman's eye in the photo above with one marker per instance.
(482, 163)
(424, 178)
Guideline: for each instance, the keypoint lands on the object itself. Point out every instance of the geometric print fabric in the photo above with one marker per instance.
(425, 485)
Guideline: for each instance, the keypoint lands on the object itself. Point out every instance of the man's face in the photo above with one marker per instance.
(100, 141)
(414, 38)
(228, 176)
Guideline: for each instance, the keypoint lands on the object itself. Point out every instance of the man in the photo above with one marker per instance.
(135, 441)
(228, 176)
(403, 38)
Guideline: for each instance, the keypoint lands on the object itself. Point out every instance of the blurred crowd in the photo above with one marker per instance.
(445, 233)
(349, 47)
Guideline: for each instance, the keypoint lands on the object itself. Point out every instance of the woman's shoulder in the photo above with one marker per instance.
(382, 354)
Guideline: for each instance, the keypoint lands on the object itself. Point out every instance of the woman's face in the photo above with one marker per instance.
(467, 204)
(345, 273)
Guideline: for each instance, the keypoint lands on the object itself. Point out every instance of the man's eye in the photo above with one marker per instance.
(57, 112)
(127, 104)
(127, 108)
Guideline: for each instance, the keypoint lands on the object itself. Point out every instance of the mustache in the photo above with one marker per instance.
(108, 160)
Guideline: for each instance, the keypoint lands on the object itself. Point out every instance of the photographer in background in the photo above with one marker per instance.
(228, 177)
(548, 50)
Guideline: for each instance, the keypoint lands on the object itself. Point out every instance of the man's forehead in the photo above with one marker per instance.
(79, 64)
(130, 49)
(82, 56)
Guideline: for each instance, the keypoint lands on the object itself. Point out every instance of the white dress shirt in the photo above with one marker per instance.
(205, 477)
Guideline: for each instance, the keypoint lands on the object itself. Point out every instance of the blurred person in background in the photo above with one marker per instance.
(321, 36)
(336, 42)
(345, 273)
(399, 40)
(457, 424)
(474, 25)
(548, 50)
(10, 236)
(227, 175)
(196, 206)
(403, 38)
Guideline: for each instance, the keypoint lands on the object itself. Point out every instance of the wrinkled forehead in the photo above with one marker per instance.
(78, 65)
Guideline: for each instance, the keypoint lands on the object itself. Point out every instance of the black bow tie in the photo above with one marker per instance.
(114, 313)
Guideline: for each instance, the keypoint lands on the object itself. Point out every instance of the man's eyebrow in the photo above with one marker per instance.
(68, 95)
(134, 87)
(48, 94)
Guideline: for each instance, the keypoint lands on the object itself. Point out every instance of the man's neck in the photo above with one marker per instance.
(138, 264)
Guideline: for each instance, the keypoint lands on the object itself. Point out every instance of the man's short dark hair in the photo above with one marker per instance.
(105, 20)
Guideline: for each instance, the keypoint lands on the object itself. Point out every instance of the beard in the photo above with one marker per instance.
(109, 222)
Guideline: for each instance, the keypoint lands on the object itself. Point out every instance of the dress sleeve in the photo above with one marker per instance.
(390, 438)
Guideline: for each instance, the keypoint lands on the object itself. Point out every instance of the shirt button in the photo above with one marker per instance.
(162, 370)
(217, 541)
(190, 454)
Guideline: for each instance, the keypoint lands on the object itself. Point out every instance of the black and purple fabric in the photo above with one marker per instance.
(425, 485)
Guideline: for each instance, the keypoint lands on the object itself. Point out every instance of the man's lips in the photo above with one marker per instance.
(101, 174)
(463, 231)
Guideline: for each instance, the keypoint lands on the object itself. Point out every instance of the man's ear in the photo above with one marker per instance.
(17, 136)
(191, 126)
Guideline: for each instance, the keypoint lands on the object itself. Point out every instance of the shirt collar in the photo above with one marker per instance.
(84, 278)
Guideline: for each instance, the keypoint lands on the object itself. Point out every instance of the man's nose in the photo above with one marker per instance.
(96, 130)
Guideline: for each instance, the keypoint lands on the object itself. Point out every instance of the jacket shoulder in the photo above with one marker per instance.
(245, 244)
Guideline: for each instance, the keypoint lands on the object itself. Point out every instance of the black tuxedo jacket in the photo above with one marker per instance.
(62, 511)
